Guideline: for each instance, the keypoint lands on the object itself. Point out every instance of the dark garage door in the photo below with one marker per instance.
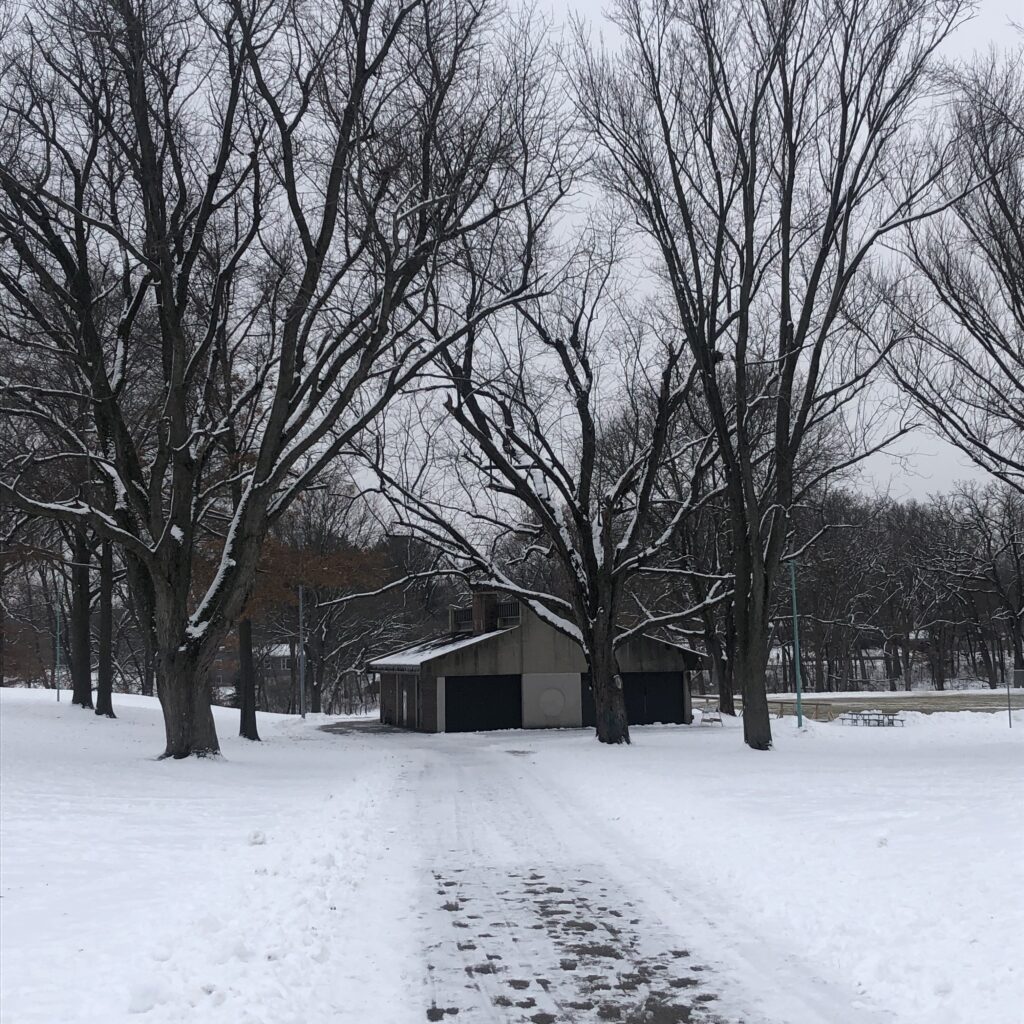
(650, 697)
(474, 703)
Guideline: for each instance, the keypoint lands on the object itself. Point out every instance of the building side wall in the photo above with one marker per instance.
(499, 655)
(546, 650)
(406, 701)
(642, 654)
(428, 703)
(388, 699)
(552, 700)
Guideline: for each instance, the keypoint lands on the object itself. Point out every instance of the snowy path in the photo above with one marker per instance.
(528, 923)
(368, 877)
(541, 913)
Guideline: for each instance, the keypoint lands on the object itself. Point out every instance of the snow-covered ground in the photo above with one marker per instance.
(850, 875)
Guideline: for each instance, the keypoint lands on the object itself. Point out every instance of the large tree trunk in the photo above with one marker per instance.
(609, 695)
(81, 640)
(246, 683)
(105, 670)
(184, 692)
(751, 665)
(751, 611)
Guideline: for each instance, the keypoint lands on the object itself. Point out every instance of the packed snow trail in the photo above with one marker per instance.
(588, 925)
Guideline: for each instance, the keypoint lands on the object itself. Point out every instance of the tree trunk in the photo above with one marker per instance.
(751, 666)
(246, 683)
(721, 675)
(908, 665)
(105, 670)
(293, 676)
(317, 686)
(148, 668)
(988, 663)
(1017, 636)
(751, 617)
(81, 640)
(185, 698)
(609, 696)
(938, 664)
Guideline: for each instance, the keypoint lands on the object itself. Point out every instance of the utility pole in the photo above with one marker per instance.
(302, 654)
(796, 646)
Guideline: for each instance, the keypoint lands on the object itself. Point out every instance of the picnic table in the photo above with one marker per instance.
(871, 718)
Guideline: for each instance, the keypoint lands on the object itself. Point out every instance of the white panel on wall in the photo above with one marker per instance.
(552, 700)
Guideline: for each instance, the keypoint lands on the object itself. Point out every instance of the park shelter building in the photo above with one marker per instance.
(501, 666)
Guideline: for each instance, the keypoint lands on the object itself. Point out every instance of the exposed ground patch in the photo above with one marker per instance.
(540, 950)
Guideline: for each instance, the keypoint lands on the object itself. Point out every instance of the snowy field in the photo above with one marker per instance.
(851, 875)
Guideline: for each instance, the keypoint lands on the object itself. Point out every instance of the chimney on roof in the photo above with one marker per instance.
(485, 613)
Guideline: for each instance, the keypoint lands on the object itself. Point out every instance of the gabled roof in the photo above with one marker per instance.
(427, 650)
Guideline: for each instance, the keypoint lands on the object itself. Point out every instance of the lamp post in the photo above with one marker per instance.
(796, 646)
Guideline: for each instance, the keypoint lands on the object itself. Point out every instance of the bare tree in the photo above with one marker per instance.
(531, 403)
(229, 221)
(988, 565)
(963, 360)
(765, 149)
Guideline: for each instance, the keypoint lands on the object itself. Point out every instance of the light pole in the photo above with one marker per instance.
(796, 646)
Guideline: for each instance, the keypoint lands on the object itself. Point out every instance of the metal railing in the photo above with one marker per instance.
(507, 612)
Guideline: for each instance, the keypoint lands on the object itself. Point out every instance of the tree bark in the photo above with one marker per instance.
(609, 695)
(81, 640)
(751, 610)
(246, 683)
(184, 693)
(148, 670)
(105, 670)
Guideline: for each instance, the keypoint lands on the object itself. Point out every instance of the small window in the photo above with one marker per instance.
(286, 663)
